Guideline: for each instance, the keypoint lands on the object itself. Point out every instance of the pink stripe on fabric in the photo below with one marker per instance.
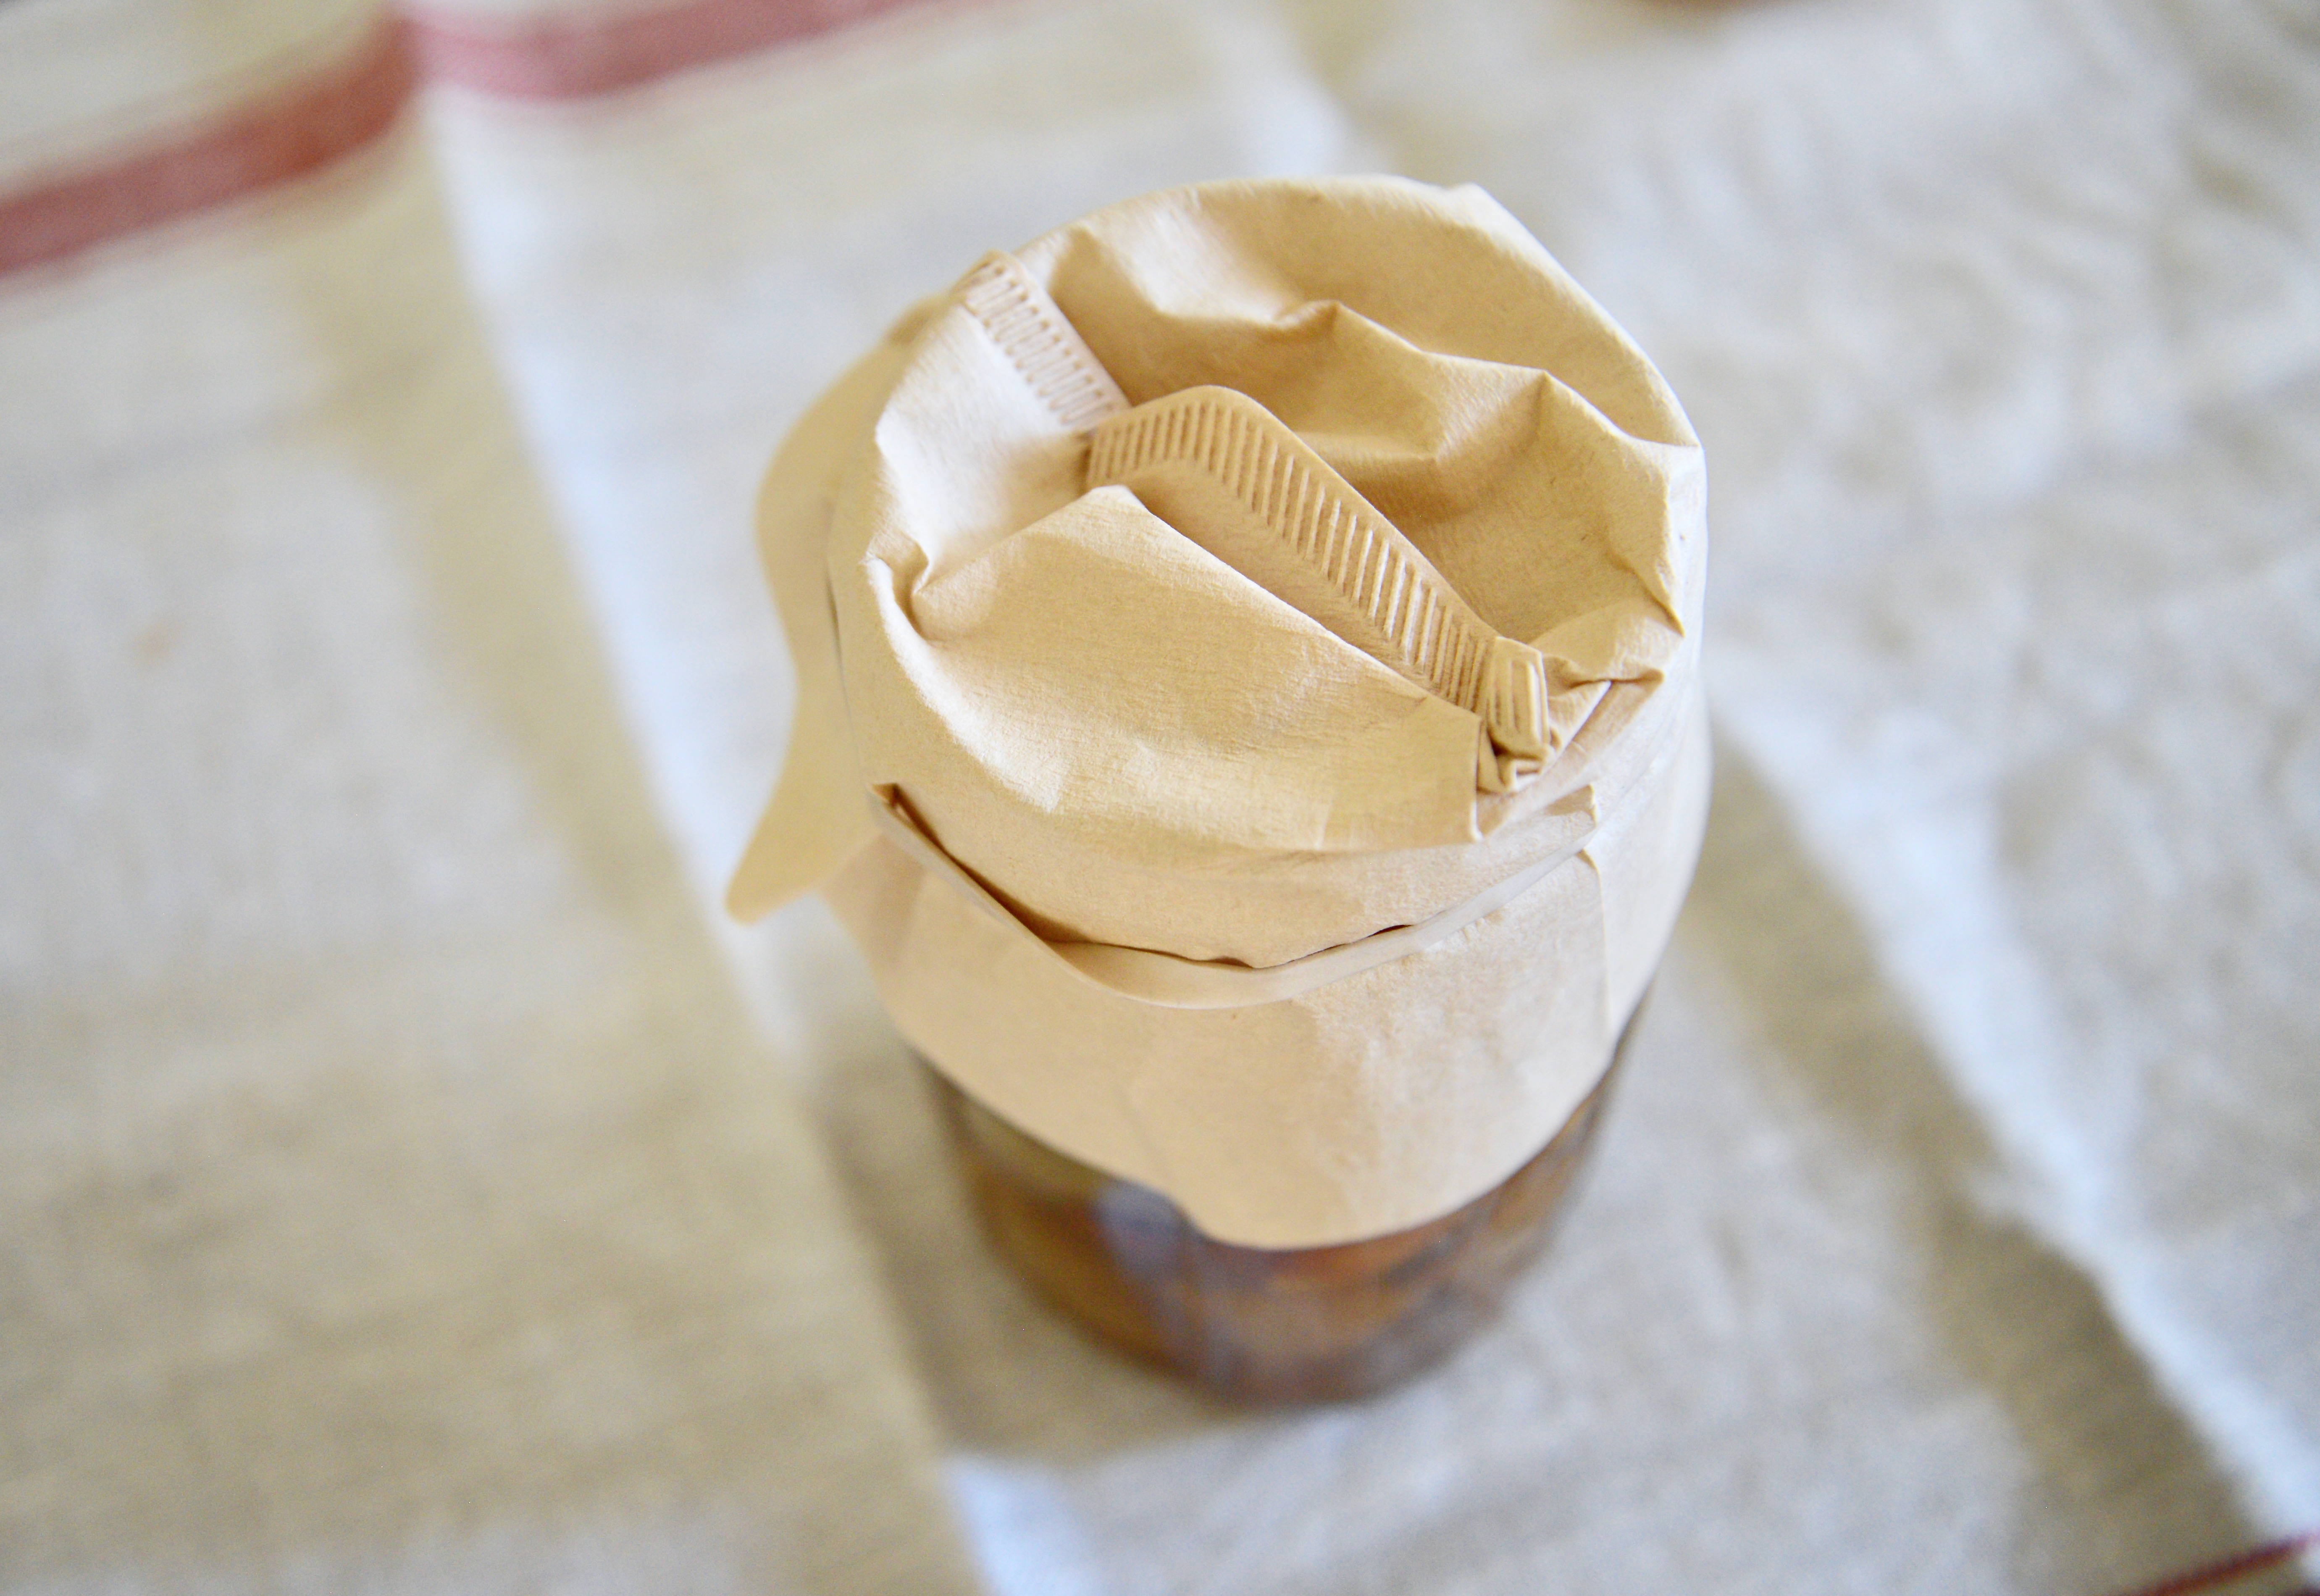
(2233, 1568)
(290, 133)
(336, 111)
(570, 57)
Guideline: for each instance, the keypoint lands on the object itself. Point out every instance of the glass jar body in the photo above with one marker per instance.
(1255, 1324)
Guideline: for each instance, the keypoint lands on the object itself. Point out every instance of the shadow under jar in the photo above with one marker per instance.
(1261, 1325)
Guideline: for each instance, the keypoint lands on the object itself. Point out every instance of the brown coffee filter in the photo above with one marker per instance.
(1246, 647)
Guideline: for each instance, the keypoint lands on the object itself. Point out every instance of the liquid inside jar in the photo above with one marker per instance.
(1260, 1325)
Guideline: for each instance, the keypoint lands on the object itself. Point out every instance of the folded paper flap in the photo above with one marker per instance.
(1040, 341)
(814, 822)
(1169, 980)
(1626, 748)
(1275, 511)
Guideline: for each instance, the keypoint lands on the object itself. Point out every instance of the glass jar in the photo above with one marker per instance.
(1253, 1324)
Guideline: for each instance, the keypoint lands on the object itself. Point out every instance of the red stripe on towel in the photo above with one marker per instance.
(2232, 1568)
(335, 111)
(289, 133)
(570, 57)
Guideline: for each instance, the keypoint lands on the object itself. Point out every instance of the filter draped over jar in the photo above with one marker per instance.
(1248, 710)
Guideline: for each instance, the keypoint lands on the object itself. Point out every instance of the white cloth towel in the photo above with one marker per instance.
(410, 1181)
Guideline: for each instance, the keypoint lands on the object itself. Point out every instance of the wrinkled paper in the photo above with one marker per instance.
(1248, 712)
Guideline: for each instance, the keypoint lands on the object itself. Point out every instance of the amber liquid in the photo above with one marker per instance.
(1258, 1324)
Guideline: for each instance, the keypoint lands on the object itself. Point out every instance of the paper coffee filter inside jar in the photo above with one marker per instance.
(1248, 708)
